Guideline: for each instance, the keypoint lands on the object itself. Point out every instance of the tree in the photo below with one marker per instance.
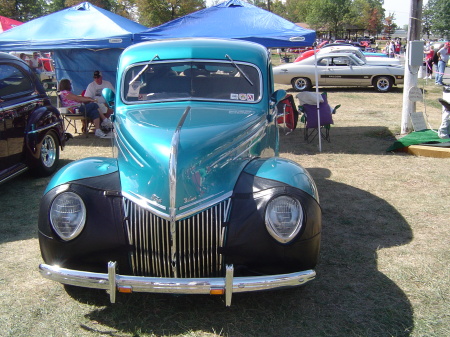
(389, 26)
(297, 10)
(156, 12)
(24, 10)
(278, 7)
(329, 14)
(427, 15)
(440, 17)
(55, 6)
(369, 15)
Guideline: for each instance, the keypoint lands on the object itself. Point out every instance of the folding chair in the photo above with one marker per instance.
(71, 115)
(310, 117)
(287, 113)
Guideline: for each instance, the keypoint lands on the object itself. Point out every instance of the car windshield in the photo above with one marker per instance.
(357, 61)
(13, 81)
(192, 80)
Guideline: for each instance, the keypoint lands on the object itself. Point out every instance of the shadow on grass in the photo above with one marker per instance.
(369, 90)
(19, 205)
(349, 140)
(91, 140)
(350, 296)
(19, 202)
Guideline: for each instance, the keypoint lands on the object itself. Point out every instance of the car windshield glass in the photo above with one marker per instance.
(359, 55)
(357, 61)
(13, 81)
(192, 80)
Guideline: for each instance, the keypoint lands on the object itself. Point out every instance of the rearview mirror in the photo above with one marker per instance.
(278, 96)
(109, 97)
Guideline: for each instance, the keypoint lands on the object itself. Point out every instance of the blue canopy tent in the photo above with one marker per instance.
(83, 38)
(234, 19)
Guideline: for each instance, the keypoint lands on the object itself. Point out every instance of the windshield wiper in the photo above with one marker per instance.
(143, 69)
(239, 69)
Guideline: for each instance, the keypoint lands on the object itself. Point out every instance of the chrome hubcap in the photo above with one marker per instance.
(48, 151)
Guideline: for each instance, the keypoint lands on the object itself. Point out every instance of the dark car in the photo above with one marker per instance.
(31, 128)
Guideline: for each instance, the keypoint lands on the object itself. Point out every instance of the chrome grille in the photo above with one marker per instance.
(191, 250)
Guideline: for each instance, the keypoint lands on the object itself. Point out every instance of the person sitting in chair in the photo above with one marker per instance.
(94, 90)
(86, 105)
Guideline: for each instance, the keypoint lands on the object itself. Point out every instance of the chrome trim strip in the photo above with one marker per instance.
(173, 158)
(174, 285)
(14, 174)
(204, 199)
(261, 86)
(259, 135)
(141, 201)
(45, 128)
(120, 144)
(11, 107)
(147, 205)
(260, 132)
(204, 206)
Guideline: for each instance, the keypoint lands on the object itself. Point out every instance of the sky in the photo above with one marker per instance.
(401, 9)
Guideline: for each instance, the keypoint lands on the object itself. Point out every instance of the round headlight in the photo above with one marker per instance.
(284, 218)
(67, 215)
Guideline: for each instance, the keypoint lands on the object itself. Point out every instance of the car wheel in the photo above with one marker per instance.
(301, 83)
(383, 83)
(46, 84)
(48, 158)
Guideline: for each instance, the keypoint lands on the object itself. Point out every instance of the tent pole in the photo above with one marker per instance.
(317, 96)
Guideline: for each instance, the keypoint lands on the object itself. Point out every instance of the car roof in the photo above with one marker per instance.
(195, 48)
(6, 56)
(349, 54)
(349, 47)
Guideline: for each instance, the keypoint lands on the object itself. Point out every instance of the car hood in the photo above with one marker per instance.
(385, 61)
(179, 159)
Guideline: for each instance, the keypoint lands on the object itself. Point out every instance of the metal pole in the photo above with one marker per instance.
(414, 31)
(316, 75)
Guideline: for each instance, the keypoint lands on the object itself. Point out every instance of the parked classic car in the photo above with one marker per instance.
(31, 129)
(368, 57)
(338, 69)
(196, 200)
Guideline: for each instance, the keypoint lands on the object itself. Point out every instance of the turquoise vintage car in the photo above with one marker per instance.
(196, 200)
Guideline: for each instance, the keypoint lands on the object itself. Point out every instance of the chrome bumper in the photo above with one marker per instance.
(228, 285)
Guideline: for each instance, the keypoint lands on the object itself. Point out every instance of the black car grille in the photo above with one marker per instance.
(190, 248)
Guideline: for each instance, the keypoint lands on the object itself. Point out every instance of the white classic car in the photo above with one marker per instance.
(357, 51)
(338, 69)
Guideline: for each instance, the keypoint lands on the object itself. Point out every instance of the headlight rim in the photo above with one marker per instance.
(299, 226)
(79, 228)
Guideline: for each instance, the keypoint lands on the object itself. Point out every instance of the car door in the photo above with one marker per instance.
(16, 103)
(342, 71)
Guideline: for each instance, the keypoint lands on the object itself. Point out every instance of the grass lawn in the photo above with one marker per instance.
(384, 268)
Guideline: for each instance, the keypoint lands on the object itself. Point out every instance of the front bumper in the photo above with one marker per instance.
(228, 285)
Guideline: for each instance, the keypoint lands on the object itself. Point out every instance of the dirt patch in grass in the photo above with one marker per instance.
(384, 258)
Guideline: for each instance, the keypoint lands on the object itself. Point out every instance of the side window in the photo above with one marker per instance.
(13, 81)
(341, 61)
(323, 62)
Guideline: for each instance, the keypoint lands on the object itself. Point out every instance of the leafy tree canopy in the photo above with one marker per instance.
(156, 12)
(438, 16)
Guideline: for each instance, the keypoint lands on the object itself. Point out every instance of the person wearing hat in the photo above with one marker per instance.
(36, 63)
(87, 105)
(443, 55)
(94, 90)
